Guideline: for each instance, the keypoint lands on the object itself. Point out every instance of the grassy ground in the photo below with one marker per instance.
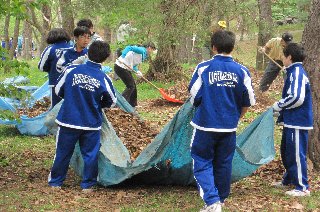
(25, 162)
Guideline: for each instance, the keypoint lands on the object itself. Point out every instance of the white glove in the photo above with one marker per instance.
(276, 114)
(276, 107)
(139, 74)
(261, 49)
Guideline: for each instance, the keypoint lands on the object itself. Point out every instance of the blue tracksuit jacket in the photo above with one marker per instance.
(49, 59)
(85, 90)
(219, 88)
(68, 56)
(296, 104)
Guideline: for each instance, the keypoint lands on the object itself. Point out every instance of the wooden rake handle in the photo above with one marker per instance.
(145, 79)
(272, 60)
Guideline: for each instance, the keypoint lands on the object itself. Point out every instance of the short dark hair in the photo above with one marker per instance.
(223, 41)
(85, 22)
(149, 44)
(296, 51)
(99, 51)
(57, 35)
(81, 30)
(287, 37)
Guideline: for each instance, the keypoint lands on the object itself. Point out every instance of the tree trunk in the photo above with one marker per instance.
(27, 41)
(67, 16)
(311, 43)
(15, 39)
(44, 27)
(6, 32)
(165, 62)
(265, 29)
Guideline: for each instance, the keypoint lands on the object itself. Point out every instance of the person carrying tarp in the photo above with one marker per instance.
(86, 90)
(57, 39)
(130, 58)
(94, 37)
(296, 116)
(82, 37)
(221, 91)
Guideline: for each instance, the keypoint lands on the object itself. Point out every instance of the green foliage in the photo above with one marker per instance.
(9, 115)
(10, 91)
(290, 8)
(16, 8)
(15, 68)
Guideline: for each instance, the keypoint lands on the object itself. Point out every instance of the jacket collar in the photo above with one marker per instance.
(222, 57)
(93, 64)
(293, 65)
(85, 50)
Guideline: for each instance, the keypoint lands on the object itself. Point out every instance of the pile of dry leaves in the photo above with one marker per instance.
(178, 91)
(39, 107)
(134, 132)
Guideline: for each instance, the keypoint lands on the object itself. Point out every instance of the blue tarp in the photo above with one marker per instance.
(27, 126)
(17, 80)
(167, 159)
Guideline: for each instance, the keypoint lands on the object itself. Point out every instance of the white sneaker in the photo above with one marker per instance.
(298, 193)
(215, 207)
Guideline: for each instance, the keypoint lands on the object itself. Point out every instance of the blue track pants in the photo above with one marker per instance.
(212, 154)
(293, 154)
(89, 142)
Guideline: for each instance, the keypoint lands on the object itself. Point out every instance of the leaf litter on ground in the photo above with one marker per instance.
(253, 193)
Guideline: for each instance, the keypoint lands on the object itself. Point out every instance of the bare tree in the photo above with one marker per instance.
(165, 65)
(265, 28)
(311, 43)
(44, 26)
(46, 20)
(67, 16)
(27, 41)
(15, 38)
(6, 31)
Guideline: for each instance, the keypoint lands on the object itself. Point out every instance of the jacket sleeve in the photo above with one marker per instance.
(109, 98)
(195, 87)
(295, 94)
(62, 63)
(45, 60)
(135, 49)
(135, 68)
(248, 94)
(81, 60)
(59, 89)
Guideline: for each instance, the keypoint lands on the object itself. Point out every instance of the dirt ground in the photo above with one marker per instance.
(30, 183)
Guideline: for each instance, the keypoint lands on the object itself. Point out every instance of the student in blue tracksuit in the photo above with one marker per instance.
(94, 37)
(221, 91)
(88, 23)
(86, 90)
(58, 40)
(130, 58)
(82, 36)
(296, 116)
